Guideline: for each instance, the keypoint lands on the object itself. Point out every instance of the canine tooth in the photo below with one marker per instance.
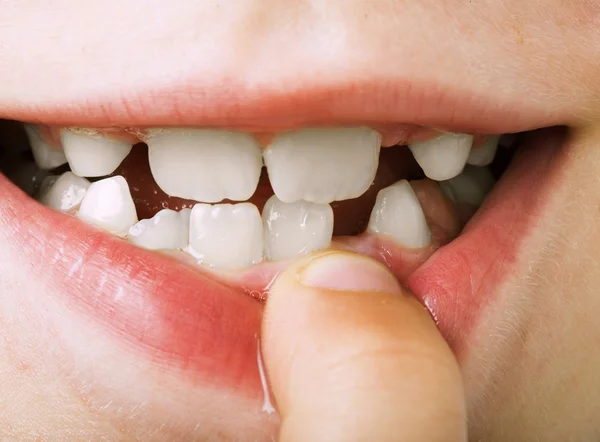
(167, 229)
(292, 229)
(204, 164)
(471, 186)
(64, 192)
(226, 236)
(108, 205)
(443, 157)
(93, 155)
(398, 213)
(484, 155)
(323, 165)
(45, 156)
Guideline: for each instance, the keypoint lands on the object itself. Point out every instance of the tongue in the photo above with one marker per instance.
(351, 216)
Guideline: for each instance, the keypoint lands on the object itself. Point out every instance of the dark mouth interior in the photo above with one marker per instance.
(352, 216)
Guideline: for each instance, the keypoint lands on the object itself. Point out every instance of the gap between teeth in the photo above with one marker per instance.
(308, 169)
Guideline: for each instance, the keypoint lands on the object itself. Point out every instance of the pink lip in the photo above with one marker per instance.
(269, 107)
(155, 304)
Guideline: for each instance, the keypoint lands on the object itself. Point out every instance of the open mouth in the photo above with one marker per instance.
(160, 233)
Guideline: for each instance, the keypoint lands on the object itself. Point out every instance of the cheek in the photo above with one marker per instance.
(546, 328)
(60, 369)
(36, 396)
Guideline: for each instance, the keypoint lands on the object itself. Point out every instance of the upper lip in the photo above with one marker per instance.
(235, 104)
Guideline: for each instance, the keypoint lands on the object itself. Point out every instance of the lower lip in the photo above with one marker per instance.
(183, 318)
(179, 317)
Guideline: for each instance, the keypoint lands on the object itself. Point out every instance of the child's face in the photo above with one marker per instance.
(101, 340)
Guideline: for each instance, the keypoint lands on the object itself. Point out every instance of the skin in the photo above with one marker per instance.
(531, 373)
(368, 355)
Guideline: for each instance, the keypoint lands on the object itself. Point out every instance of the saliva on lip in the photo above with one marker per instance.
(262, 293)
(267, 401)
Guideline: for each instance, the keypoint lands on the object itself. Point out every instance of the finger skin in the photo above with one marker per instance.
(357, 364)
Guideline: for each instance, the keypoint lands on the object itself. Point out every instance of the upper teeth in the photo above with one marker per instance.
(443, 157)
(469, 187)
(484, 155)
(46, 157)
(307, 164)
(93, 155)
(205, 165)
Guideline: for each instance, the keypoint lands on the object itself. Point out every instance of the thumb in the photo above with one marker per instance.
(352, 357)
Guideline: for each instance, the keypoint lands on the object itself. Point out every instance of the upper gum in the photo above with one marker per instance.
(391, 134)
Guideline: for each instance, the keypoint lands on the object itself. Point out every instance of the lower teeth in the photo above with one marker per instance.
(397, 213)
(167, 230)
(108, 205)
(292, 229)
(226, 235)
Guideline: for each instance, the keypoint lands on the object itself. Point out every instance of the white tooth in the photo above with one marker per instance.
(63, 193)
(470, 187)
(204, 164)
(484, 155)
(108, 205)
(398, 213)
(443, 157)
(323, 165)
(167, 229)
(46, 157)
(93, 155)
(293, 229)
(226, 236)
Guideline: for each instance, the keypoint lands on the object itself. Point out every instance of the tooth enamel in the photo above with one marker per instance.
(397, 213)
(443, 157)
(484, 155)
(167, 229)
(93, 155)
(204, 164)
(322, 165)
(46, 157)
(63, 193)
(471, 186)
(292, 229)
(108, 205)
(226, 236)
